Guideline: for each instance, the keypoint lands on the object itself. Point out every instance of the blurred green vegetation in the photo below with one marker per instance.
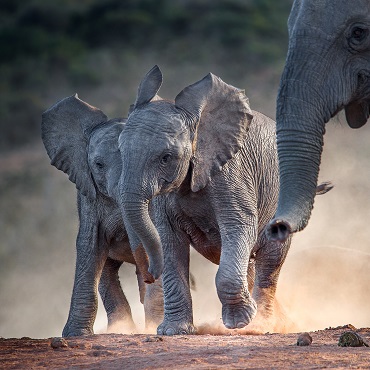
(51, 47)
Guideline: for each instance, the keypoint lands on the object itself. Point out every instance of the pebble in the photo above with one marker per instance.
(304, 339)
(351, 339)
(153, 339)
(58, 342)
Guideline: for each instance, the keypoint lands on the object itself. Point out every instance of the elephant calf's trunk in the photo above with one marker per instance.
(141, 230)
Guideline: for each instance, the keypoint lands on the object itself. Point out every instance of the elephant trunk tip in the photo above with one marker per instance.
(155, 270)
(149, 279)
(278, 230)
(142, 264)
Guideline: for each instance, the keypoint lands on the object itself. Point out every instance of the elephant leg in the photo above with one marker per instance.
(154, 305)
(238, 307)
(270, 257)
(115, 303)
(178, 311)
(91, 256)
(151, 296)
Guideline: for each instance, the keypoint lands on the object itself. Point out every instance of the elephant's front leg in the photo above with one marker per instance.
(238, 307)
(91, 256)
(178, 311)
(270, 257)
(114, 300)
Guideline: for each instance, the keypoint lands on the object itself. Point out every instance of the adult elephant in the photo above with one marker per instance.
(81, 141)
(327, 70)
(209, 165)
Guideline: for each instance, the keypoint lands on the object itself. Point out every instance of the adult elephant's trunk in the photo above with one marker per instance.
(141, 229)
(301, 118)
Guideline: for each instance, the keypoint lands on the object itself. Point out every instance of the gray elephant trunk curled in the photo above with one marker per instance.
(140, 227)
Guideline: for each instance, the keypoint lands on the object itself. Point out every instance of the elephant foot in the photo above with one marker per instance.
(76, 332)
(175, 328)
(238, 315)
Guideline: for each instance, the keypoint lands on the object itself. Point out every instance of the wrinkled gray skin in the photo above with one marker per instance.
(81, 141)
(215, 186)
(327, 69)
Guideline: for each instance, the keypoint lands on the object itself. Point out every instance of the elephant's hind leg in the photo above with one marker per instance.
(270, 257)
(114, 300)
(154, 305)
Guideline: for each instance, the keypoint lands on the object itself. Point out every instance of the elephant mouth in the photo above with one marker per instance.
(357, 113)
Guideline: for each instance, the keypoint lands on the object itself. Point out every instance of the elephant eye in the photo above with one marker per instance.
(358, 34)
(165, 158)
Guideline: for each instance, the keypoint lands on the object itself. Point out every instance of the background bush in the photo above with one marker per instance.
(48, 47)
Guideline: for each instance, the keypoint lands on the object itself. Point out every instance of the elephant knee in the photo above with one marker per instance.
(231, 288)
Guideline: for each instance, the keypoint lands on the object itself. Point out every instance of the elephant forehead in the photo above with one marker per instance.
(145, 139)
(156, 117)
(107, 137)
(316, 14)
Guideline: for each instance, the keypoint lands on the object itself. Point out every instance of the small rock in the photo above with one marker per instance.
(304, 339)
(58, 343)
(153, 339)
(77, 343)
(351, 339)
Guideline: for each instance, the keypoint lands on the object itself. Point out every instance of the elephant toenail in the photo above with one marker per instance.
(170, 331)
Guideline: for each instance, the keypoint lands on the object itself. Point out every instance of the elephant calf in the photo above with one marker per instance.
(82, 142)
(209, 164)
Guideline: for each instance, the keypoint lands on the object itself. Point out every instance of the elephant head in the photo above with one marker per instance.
(81, 142)
(327, 69)
(167, 145)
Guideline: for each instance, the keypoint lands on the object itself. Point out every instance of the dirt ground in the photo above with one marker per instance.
(142, 351)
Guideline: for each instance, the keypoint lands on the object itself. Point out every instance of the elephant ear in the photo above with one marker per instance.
(65, 129)
(149, 87)
(357, 113)
(221, 116)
